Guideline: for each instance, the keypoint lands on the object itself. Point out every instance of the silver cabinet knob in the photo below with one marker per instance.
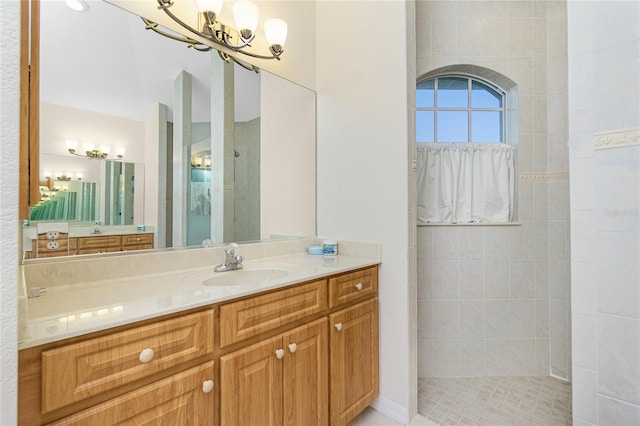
(338, 326)
(359, 286)
(293, 347)
(280, 353)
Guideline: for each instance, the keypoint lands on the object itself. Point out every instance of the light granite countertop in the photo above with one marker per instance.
(68, 310)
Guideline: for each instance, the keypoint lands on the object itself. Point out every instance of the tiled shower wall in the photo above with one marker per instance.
(604, 45)
(494, 300)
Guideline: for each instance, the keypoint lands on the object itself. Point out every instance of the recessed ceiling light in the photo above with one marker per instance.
(77, 5)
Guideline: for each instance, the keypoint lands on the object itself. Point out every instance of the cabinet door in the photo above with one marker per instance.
(353, 360)
(251, 385)
(183, 399)
(305, 375)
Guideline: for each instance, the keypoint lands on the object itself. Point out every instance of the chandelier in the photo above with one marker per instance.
(93, 153)
(246, 19)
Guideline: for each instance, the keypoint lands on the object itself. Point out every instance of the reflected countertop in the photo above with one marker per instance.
(70, 310)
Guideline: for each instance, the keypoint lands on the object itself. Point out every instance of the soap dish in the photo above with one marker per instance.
(315, 249)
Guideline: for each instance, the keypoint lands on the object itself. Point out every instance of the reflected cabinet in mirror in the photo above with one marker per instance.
(138, 131)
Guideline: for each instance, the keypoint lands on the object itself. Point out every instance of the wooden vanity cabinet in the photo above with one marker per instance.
(114, 243)
(292, 356)
(91, 245)
(282, 380)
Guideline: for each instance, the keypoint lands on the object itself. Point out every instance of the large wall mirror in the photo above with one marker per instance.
(209, 150)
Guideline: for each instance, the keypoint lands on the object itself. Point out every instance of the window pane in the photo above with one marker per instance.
(483, 96)
(424, 94)
(486, 126)
(453, 126)
(453, 92)
(424, 126)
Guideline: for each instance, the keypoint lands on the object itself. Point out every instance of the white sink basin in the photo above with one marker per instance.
(245, 276)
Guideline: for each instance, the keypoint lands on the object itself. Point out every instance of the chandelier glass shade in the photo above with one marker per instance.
(246, 15)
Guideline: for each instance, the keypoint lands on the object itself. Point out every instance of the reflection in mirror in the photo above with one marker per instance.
(83, 191)
(117, 87)
(121, 204)
(67, 200)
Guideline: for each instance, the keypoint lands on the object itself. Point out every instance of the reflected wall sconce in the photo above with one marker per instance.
(101, 153)
(201, 161)
(246, 19)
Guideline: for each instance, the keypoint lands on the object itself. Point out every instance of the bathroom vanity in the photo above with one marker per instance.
(89, 244)
(296, 349)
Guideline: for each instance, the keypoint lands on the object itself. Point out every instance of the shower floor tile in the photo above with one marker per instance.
(493, 401)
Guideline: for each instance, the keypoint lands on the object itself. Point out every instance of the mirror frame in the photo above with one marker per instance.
(29, 193)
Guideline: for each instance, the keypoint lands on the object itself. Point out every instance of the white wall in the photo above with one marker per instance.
(9, 251)
(604, 98)
(287, 159)
(362, 160)
(59, 123)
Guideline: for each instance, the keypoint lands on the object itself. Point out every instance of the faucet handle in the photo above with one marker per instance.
(232, 249)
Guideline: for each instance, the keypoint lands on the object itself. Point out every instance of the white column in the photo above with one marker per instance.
(222, 119)
(155, 171)
(181, 161)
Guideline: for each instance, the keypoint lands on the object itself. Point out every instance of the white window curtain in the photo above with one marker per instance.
(465, 182)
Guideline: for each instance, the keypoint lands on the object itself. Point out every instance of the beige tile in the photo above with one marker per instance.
(446, 323)
(472, 319)
(496, 279)
(471, 279)
(497, 316)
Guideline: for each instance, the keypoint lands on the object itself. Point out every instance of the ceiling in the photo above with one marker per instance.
(104, 60)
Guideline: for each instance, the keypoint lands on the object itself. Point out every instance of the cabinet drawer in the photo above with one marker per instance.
(176, 400)
(137, 247)
(353, 286)
(137, 239)
(250, 317)
(99, 242)
(98, 250)
(80, 370)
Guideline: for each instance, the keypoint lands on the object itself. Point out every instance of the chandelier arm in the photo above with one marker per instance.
(199, 47)
(225, 57)
(165, 8)
(226, 38)
(92, 155)
(153, 26)
(249, 67)
(255, 55)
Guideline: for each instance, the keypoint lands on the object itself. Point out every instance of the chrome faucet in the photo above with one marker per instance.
(232, 259)
(96, 229)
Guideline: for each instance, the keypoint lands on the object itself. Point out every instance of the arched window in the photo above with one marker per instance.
(455, 108)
